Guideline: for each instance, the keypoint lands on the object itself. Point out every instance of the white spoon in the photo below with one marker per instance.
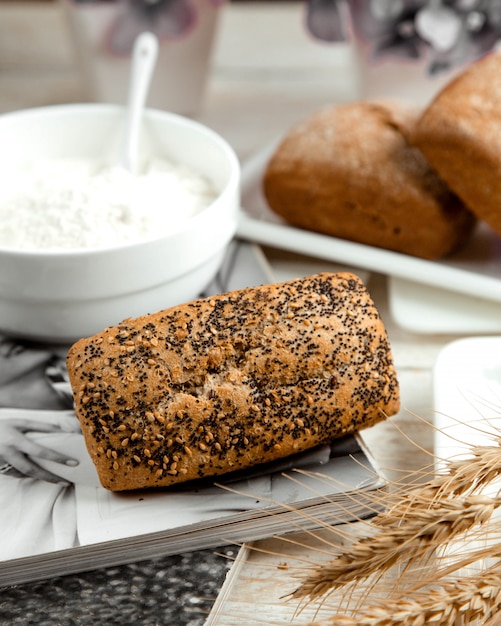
(144, 56)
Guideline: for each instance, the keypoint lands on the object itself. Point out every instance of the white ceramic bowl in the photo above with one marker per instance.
(63, 295)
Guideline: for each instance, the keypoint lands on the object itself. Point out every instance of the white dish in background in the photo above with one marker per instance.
(467, 398)
(423, 309)
(467, 395)
(475, 271)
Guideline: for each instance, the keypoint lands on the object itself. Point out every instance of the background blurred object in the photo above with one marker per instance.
(103, 33)
(37, 59)
(408, 47)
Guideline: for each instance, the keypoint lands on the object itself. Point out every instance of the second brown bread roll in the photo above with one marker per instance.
(350, 172)
(460, 134)
(225, 383)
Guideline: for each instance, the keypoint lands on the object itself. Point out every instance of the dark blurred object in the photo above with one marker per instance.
(449, 34)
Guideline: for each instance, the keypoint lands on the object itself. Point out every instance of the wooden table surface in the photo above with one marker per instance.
(266, 75)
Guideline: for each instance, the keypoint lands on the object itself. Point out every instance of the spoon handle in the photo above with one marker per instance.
(144, 56)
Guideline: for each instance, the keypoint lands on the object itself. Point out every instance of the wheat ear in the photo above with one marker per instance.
(417, 538)
(450, 603)
(418, 522)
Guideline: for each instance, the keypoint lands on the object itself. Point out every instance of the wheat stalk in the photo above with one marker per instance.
(471, 474)
(450, 603)
(418, 522)
(422, 522)
(428, 534)
(411, 539)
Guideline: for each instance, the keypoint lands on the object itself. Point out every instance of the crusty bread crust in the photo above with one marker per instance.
(460, 135)
(221, 384)
(350, 172)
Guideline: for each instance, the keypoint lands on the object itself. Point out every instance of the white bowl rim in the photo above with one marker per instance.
(231, 188)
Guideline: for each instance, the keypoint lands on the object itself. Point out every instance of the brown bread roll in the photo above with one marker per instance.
(460, 135)
(225, 383)
(350, 172)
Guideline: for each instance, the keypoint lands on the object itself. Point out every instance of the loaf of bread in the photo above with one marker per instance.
(225, 383)
(350, 172)
(460, 135)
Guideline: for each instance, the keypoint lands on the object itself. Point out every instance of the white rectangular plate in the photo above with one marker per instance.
(474, 271)
(425, 309)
